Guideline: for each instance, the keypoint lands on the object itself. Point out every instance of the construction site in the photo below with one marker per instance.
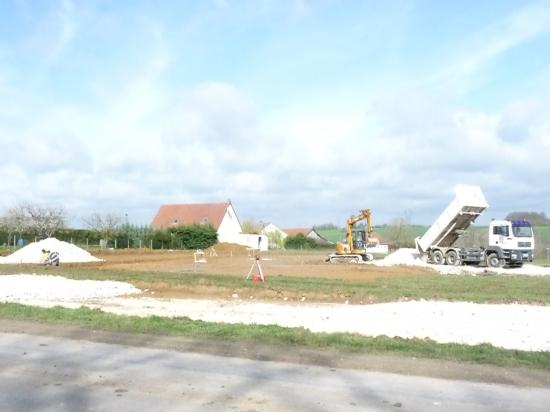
(359, 258)
(439, 294)
(266, 205)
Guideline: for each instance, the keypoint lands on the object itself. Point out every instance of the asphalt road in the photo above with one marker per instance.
(39, 373)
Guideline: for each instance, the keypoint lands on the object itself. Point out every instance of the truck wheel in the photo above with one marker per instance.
(452, 258)
(493, 261)
(438, 258)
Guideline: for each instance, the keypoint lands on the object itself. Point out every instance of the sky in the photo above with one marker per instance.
(300, 112)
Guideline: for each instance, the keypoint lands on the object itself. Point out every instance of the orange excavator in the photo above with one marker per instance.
(358, 246)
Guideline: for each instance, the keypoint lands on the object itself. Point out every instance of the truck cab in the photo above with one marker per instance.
(514, 239)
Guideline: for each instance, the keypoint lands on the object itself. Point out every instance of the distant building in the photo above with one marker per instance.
(275, 235)
(221, 216)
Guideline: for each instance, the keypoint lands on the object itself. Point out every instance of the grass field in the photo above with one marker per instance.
(479, 289)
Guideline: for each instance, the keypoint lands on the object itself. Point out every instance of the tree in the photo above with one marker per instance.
(326, 226)
(300, 242)
(33, 219)
(275, 239)
(106, 224)
(16, 221)
(196, 236)
(251, 227)
(45, 221)
(400, 233)
(533, 217)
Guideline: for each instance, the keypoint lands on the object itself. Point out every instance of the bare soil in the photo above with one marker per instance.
(235, 260)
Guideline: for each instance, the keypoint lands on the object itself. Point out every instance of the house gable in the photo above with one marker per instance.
(230, 228)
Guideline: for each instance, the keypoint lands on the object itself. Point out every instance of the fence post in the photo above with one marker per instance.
(115, 243)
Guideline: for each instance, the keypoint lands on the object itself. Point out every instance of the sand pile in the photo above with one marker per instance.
(31, 253)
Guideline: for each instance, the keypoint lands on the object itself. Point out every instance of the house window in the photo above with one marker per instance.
(204, 221)
(176, 221)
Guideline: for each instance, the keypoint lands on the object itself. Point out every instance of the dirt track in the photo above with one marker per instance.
(235, 261)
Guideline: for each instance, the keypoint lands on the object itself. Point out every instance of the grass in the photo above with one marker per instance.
(96, 319)
(479, 289)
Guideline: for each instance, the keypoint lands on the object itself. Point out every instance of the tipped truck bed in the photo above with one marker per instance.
(468, 204)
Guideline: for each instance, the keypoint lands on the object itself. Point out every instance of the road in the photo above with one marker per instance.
(45, 373)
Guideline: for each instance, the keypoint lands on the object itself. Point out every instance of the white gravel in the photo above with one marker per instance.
(25, 288)
(522, 327)
(411, 257)
(68, 253)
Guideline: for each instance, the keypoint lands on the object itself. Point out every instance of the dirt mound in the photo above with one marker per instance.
(230, 248)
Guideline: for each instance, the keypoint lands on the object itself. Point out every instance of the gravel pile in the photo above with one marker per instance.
(403, 256)
(411, 257)
(30, 289)
(68, 253)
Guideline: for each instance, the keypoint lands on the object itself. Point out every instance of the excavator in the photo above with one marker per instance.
(358, 247)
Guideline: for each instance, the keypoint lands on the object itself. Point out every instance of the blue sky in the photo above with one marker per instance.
(300, 112)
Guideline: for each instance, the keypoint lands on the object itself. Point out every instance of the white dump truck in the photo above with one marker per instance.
(511, 243)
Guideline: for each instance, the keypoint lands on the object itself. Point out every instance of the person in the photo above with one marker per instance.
(44, 256)
(53, 258)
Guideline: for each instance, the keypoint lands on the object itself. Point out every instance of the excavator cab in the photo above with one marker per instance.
(360, 238)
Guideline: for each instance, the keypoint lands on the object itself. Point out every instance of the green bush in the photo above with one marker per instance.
(195, 236)
(300, 242)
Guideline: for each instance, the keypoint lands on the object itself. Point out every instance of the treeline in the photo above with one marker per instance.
(535, 218)
(126, 236)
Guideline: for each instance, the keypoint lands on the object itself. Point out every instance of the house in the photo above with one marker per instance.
(221, 216)
(275, 235)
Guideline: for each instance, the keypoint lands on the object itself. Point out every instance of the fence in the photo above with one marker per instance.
(15, 242)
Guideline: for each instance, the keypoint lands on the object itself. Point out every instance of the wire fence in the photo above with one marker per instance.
(13, 242)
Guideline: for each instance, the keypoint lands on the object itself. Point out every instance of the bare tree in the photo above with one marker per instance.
(28, 218)
(252, 227)
(400, 233)
(45, 221)
(106, 224)
(16, 221)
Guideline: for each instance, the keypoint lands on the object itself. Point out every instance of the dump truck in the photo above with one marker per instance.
(510, 243)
